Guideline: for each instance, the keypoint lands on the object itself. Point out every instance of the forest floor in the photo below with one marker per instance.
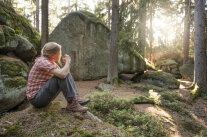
(27, 120)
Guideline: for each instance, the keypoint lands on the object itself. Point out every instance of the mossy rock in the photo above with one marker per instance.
(20, 25)
(103, 87)
(13, 81)
(8, 38)
(170, 66)
(166, 62)
(2, 38)
(160, 79)
(25, 49)
(187, 70)
(13, 67)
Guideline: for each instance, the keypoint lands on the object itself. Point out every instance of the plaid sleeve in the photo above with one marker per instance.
(46, 65)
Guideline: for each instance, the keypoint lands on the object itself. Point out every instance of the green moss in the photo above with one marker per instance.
(9, 33)
(120, 113)
(148, 87)
(2, 38)
(15, 82)
(21, 26)
(191, 126)
(203, 133)
(104, 102)
(3, 12)
(13, 130)
(84, 133)
(142, 100)
(13, 68)
(170, 100)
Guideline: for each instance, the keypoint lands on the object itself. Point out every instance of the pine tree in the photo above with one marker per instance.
(44, 37)
(37, 15)
(186, 40)
(200, 64)
(113, 57)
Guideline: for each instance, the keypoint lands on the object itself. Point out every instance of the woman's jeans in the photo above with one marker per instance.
(52, 88)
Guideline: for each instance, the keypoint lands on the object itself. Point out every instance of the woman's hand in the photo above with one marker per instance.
(66, 58)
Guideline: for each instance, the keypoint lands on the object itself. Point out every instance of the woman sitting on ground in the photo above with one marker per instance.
(46, 80)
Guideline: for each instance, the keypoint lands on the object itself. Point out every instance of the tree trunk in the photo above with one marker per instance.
(37, 15)
(151, 31)
(186, 40)
(142, 28)
(44, 37)
(113, 57)
(200, 67)
(109, 14)
(68, 6)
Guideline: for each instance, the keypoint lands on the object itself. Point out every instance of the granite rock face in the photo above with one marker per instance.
(13, 82)
(86, 39)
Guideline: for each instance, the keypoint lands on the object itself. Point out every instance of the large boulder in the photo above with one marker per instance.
(11, 42)
(20, 25)
(86, 39)
(13, 81)
(170, 66)
(25, 50)
(159, 78)
(187, 70)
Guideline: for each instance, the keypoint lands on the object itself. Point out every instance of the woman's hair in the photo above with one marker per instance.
(50, 49)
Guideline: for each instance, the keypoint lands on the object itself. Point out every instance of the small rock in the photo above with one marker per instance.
(103, 87)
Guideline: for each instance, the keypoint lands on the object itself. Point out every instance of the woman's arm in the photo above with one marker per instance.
(62, 72)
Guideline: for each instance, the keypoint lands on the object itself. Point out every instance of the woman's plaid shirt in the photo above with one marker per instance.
(39, 75)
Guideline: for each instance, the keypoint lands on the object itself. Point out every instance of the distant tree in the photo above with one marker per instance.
(113, 57)
(37, 15)
(44, 36)
(68, 6)
(151, 30)
(142, 27)
(200, 66)
(186, 40)
(109, 12)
